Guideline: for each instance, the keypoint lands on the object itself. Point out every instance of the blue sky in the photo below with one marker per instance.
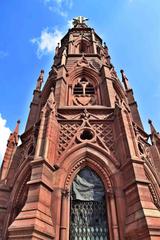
(30, 30)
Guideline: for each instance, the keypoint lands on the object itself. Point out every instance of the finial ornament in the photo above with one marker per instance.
(105, 46)
(80, 21)
(155, 136)
(125, 80)
(57, 49)
(149, 121)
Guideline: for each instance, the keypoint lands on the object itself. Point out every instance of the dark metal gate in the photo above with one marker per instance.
(88, 214)
(88, 220)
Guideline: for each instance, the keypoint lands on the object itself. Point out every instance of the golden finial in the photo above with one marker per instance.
(80, 20)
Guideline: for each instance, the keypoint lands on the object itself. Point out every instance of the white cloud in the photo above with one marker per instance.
(68, 3)
(3, 54)
(59, 2)
(70, 23)
(58, 10)
(47, 41)
(4, 135)
(59, 6)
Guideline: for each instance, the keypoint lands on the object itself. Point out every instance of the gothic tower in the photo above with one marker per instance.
(85, 168)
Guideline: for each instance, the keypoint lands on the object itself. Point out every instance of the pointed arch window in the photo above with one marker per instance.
(98, 50)
(78, 89)
(84, 87)
(83, 47)
(88, 215)
(89, 89)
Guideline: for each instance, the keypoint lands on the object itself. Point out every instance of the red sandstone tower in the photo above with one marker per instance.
(85, 169)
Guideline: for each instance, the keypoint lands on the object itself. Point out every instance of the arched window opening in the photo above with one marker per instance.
(83, 88)
(89, 89)
(83, 80)
(98, 50)
(78, 89)
(88, 215)
(20, 200)
(83, 47)
(140, 147)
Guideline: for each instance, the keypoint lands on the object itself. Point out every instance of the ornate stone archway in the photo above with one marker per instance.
(18, 195)
(72, 163)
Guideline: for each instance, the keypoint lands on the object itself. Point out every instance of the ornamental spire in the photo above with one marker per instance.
(40, 80)
(155, 136)
(10, 149)
(13, 138)
(80, 21)
(125, 80)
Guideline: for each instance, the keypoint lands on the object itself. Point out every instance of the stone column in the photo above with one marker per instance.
(94, 42)
(114, 217)
(64, 216)
(35, 220)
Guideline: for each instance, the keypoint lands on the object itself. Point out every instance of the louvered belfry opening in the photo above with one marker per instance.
(88, 214)
(83, 87)
(78, 89)
(89, 89)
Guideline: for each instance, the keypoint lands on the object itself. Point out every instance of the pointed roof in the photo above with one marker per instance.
(40, 80)
(125, 80)
(155, 136)
(13, 138)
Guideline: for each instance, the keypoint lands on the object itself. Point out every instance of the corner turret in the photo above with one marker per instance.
(10, 150)
(131, 100)
(32, 118)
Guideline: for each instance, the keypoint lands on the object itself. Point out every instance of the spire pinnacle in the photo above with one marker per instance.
(57, 49)
(11, 146)
(13, 138)
(40, 80)
(16, 130)
(125, 80)
(154, 134)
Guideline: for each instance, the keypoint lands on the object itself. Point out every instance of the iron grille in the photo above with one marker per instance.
(88, 220)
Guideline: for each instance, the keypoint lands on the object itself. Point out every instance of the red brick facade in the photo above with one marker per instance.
(83, 117)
